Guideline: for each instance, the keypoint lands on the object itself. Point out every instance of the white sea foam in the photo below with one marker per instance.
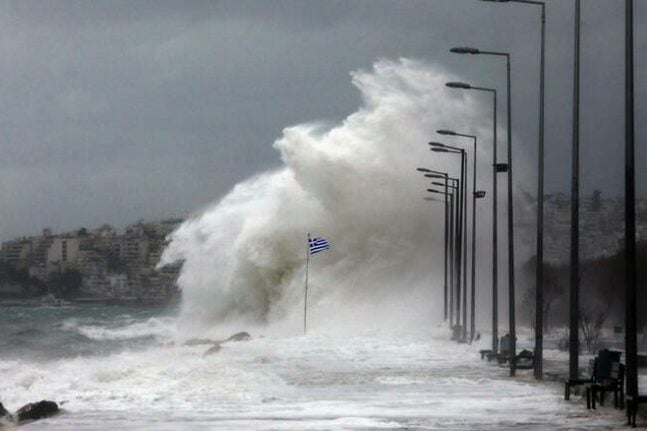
(356, 185)
(315, 382)
(158, 327)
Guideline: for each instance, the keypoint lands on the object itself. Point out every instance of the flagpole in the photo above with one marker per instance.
(305, 298)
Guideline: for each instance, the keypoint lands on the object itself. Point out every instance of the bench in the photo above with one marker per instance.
(525, 360)
(504, 350)
(569, 383)
(484, 353)
(614, 383)
(599, 369)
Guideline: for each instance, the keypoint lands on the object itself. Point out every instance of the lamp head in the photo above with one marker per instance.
(437, 144)
(501, 167)
(422, 170)
(465, 50)
(460, 85)
(446, 132)
(440, 150)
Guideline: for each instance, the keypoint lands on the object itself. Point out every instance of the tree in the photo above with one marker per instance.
(553, 290)
(592, 318)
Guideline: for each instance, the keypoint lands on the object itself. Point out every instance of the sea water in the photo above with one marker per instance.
(126, 368)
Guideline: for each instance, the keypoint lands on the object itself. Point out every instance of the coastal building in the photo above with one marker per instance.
(63, 251)
(111, 265)
(16, 252)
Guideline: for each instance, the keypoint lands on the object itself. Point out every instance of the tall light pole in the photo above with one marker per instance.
(454, 224)
(473, 280)
(539, 280)
(502, 168)
(630, 211)
(455, 250)
(441, 148)
(495, 246)
(574, 341)
(451, 186)
(443, 175)
(450, 195)
(477, 195)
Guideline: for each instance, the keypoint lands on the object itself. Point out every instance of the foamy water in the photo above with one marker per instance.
(413, 380)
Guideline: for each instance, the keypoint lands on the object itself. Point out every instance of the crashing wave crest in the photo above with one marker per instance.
(356, 185)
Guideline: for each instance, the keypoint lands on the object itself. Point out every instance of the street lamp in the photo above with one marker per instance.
(630, 218)
(504, 168)
(462, 240)
(495, 236)
(473, 292)
(539, 298)
(574, 340)
(437, 174)
(460, 228)
(449, 248)
(446, 132)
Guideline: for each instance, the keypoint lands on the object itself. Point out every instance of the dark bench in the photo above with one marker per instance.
(485, 352)
(614, 383)
(525, 360)
(632, 407)
(504, 350)
(569, 383)
(599, 370)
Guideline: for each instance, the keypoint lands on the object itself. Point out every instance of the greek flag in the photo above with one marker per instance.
(317, 244)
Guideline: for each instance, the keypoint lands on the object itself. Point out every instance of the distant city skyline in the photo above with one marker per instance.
(128, 110)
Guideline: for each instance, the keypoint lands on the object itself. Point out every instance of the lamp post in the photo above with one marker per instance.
(454, 188)
(504, 168)
(539, 276)
(449, 246)
(574, 341)
(454, 225)
(473, 288)
(441, 148)
(457, 230)
(437, 174)
(630, 211)
(495, 246)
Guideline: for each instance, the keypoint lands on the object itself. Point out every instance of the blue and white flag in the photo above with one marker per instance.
(317, 244)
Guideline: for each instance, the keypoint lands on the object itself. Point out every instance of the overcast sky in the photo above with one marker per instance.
(119, 110)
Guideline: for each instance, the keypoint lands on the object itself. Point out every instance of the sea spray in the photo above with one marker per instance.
(354, 183)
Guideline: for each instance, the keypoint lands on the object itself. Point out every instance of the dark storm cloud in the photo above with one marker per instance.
(118, 110)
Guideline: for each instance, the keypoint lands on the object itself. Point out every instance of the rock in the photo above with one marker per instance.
(241, 336)
(39, 410)
(214, 349)
(3, 412)
(198, 342)
(217, 345)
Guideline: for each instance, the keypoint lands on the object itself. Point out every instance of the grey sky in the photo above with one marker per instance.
(115, 111)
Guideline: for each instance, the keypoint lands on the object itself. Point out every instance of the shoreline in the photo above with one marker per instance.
(81, 302)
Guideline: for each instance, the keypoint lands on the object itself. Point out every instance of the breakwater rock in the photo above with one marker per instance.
(28, 412)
